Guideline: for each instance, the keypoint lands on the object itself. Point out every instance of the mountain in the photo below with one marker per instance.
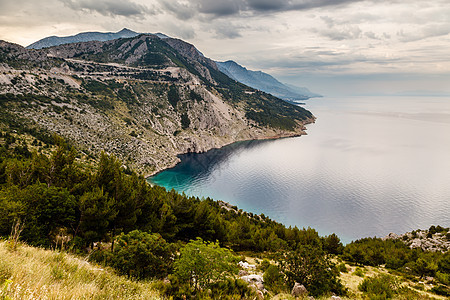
(255, 79)
(145, 98)
(82, 37)
(264, 82)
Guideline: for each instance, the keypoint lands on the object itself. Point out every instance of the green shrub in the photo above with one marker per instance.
(382, 286)
(185, 122)
(232, 289)
(202, 263)
(443, 278)
(142, 255)
(342, 268)
(173, 96)
(441, 290)
(359, 272)
(310, 266)
(332, 244)
(273, 279)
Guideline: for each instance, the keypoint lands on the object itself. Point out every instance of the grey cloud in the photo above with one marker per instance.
(109, 7)
(185, 32)
(308, 4)
(347, 32)
(182, 10)
(264, 5)
(371, 35)
(185, 10)
(227, 31)
(220, 8)
(433, 30)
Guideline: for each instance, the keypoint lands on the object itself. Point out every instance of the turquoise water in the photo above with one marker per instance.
(367, 167)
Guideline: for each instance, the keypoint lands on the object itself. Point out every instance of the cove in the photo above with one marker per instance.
(368, 166)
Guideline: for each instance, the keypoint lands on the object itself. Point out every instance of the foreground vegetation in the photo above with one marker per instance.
(188, 245)
(33, 273)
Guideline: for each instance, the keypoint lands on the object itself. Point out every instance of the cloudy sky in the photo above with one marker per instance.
(333, 47)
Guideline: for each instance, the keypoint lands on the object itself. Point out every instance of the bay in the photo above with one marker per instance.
(368, 166)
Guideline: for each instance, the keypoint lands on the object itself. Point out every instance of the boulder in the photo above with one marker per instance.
(242, 273)
(252, 278)
(299, 290)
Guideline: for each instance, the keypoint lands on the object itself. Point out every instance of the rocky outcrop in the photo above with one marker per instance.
(299, 290)
(427, 240)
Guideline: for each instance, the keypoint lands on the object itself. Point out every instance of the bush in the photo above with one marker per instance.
(185, 122)
(142, 255)
(233, 288)
(441, 290)
(444, 263)
(202, 263)
(273, 279)
(332, 244)
(173, 96)
(382, 286)
(342, 268)
(310, 266)
(359, 272)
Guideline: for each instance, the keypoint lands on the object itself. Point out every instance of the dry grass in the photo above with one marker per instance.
(33, 273)
(351, 281)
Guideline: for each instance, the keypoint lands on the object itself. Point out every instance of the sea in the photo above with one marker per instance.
(368, 166)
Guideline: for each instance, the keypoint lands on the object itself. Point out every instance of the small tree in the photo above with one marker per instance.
(332, 244)
(185, 122)
(202, 263)
(310, 266)
(142, 255)
(273, 279)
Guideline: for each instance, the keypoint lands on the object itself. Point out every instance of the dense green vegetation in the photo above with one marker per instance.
(57, 202)
(395, 255)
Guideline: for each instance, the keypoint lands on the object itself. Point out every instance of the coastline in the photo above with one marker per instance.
(301, 130)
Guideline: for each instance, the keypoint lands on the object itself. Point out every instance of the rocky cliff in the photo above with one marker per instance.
(144, 98)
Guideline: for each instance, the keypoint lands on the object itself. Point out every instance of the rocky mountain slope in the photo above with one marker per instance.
(255, 79)
(264, 82)
(82, 37)
(143, 98)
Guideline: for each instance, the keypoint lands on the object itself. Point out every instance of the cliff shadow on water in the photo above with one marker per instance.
(198, 166)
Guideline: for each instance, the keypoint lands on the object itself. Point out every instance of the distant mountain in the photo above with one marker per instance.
(264, 82)
(84, 37)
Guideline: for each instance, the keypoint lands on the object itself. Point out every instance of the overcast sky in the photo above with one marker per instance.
(333, 47)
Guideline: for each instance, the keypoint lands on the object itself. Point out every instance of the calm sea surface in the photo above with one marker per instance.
(368, 166)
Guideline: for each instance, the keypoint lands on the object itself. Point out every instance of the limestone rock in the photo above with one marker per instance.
(299, 290)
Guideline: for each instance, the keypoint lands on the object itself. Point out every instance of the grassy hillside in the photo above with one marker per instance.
(34, 273)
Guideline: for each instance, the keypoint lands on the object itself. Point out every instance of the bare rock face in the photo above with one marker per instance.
(299, 290)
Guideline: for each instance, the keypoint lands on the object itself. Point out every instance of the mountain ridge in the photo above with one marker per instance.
(144, 98)
(264, 82)
(255, 79)
(82, 37)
